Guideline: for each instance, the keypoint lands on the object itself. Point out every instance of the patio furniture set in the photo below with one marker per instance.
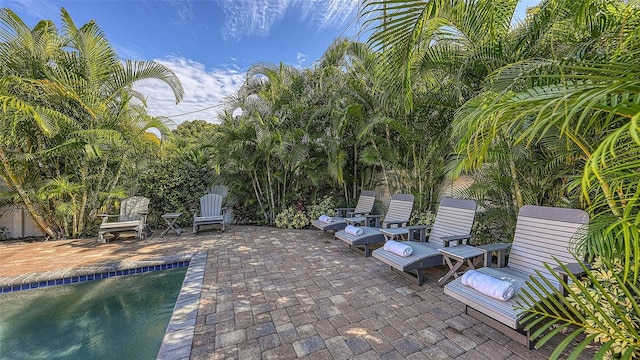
(543, 236)
(134, 211)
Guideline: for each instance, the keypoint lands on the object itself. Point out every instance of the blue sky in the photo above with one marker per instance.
(209, 44)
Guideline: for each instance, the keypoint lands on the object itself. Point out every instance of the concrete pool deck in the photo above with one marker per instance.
(285, 294)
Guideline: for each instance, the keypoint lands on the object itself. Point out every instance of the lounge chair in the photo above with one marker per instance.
(542, 234)
(133, 217)
(211, 212)
(398, 215)
(363, 208)
(453, 223)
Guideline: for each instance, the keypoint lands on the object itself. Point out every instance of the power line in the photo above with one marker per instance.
(195, 111)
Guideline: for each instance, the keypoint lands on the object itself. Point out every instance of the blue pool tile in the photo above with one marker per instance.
(84, 278)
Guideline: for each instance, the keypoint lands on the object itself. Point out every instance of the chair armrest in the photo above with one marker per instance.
(448, 239)
(575, 269)
(105, 217)
(345, 212)
(572, 268)
(223, 210)
(389, 223)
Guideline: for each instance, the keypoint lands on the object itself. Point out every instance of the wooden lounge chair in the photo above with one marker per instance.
(398, 215)
(133, 217)
(211, 212)
(363, 208)
(542, 234)
(453, 223)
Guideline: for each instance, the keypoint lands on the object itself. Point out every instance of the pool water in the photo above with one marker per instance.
(117, 318)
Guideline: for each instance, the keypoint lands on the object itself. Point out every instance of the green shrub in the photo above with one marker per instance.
(292, 218)
(324, 206)
(422, 218)
(610, 310)
(173, 185)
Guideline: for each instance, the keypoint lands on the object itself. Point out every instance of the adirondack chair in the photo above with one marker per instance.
(132, 217)
(398, 215)
(542, 234)
(211, 212)
(363, 208)
(453, 223)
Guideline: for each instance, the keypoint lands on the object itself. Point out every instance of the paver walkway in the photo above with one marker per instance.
(285, 294)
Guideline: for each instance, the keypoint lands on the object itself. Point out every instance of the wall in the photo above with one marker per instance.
(18, 223)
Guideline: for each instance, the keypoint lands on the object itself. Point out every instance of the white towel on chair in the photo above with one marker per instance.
(325, 219)
(353, 230)
(488, 285)
(398, 248)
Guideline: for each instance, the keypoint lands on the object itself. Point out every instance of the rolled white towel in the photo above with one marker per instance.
(398, 248)
(325, 219)
(353, 230)
(488, 285)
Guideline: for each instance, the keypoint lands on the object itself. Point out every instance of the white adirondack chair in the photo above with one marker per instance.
(211, 212)
(132, 217)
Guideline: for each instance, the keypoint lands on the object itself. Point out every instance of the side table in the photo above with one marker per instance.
(460, 254)
(420, 229)
(499, 248)
(170, 219)
(400, 234)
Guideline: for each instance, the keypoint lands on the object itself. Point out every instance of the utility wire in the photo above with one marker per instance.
(195, 111)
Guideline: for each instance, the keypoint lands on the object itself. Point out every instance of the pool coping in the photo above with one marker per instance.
(178, 337)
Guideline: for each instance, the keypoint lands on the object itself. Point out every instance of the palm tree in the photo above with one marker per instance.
(71, 99)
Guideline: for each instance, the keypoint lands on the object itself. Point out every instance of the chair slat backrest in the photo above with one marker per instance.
(543, 233)
(133, 208)
(210, 205)
(454, 217)
(399, 208)
(365, 202)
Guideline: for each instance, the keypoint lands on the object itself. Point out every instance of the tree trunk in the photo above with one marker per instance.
(15, 183)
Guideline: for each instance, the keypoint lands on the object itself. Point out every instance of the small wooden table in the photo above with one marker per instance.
(420, 229)
(367, 220)
(170, 219)
(400, 234)
(460, 254)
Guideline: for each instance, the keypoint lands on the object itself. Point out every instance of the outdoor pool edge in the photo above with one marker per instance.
(178, 337)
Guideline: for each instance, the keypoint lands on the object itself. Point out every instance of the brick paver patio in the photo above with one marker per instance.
(285, 294)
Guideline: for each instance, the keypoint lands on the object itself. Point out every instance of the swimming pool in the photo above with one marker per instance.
(116, 318)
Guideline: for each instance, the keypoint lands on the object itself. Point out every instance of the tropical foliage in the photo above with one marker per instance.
(73, 131)
(550, 113)
(542, 111)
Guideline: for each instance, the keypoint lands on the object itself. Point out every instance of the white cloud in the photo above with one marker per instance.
(204, 90)
(247, 18)
(301, 58)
